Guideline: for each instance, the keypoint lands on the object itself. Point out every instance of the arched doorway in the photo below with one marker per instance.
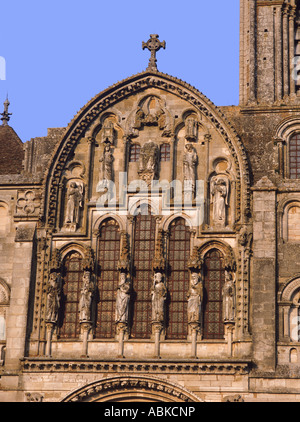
(129, 388)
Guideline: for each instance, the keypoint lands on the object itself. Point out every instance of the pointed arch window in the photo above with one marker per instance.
(214, 277)
(143, 254)
(72, 283)
(178, 280)
(108, 277)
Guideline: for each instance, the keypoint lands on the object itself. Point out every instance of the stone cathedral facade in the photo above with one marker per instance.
(150, 250)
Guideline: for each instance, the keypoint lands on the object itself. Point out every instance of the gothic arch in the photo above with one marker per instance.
(108, 216)
(127, 388)
(168, 220)
(72, 247)
(223, 247)
(141, 202)
(79, 127)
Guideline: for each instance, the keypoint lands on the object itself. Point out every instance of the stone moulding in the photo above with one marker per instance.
(126, 386)
(43, 365)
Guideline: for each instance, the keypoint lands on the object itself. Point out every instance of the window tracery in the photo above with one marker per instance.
(143, 254)
(134, 154)
(214, 277)
(165, 152)
(108, 277)
(178, 280)
(72, 280)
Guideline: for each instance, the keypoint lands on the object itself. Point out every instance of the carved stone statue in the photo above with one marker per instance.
(86, 298)
(159, 294)
(53, 297)
(139, 119)
(148, 162)
(148, 156)
(74, 202)
(191, 129)
(190, 161)
(219, 198)
(195, 298)
(107, 163)
(123, 299)
(229, 297)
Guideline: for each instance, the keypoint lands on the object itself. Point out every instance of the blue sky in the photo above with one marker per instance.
(60, 54)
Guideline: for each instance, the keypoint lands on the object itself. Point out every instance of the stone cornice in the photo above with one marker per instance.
(191, 366)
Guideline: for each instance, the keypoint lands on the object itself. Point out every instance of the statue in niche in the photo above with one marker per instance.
(191, 129)
(139, 119)
(195, 298)
(123, 299)
(86, 297)
(229, 297)
(190, 161)
(53, 297)
(74, 203)
(106, 163)
(159, 295)
(219, 198)
(148, 161)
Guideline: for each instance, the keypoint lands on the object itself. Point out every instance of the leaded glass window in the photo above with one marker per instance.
(72, 283)
(143, 254)
(178, 280)
(214, 278)
(108, 278)
(294, 156)
(134, 155)
(165, 152)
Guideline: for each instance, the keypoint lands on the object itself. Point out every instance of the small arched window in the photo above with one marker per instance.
(214, 277)
(290, 221)
(134, 154)
(72, 283)
(294, 223)
(294, 156)
(165, 152)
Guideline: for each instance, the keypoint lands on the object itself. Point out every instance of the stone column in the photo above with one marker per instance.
(278, 34)
(286, 68)
(292, 16)
(252, 53)
(264, 275)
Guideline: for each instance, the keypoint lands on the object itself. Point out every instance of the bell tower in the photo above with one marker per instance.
(269, 45)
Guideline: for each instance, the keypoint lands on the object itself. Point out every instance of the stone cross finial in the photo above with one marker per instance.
(153, 45)
(5, 115)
